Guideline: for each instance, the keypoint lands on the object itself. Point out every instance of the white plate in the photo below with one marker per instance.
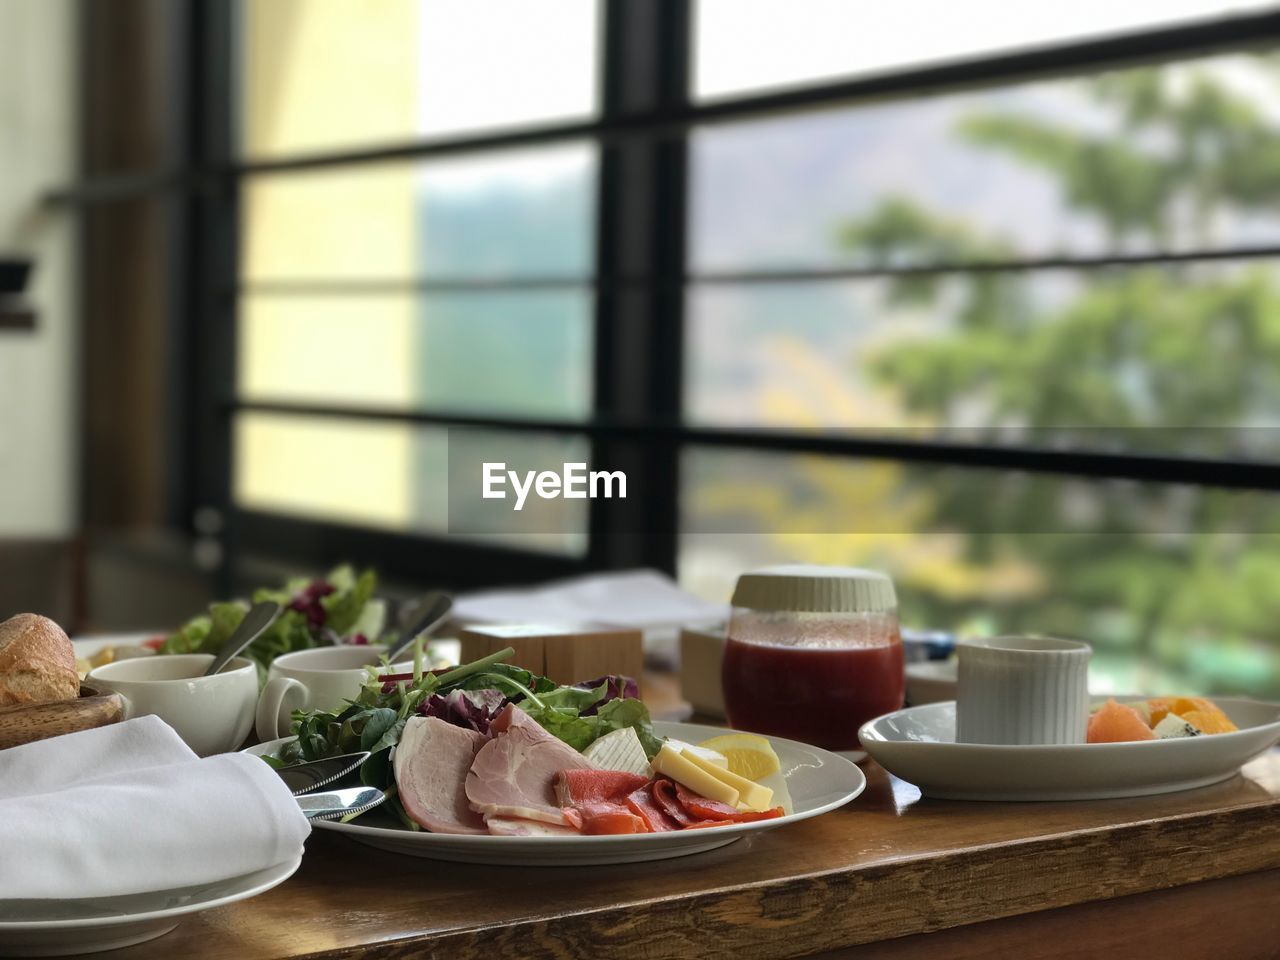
(918, 745)
(53, 928)
(817, 780)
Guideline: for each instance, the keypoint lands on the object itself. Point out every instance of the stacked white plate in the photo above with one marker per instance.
(48, 928)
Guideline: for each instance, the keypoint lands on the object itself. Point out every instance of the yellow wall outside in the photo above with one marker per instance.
(316, 72)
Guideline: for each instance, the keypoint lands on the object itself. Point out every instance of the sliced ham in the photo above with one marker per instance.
(513, 827)
(584, 786)
(431, 764)
(514, 774)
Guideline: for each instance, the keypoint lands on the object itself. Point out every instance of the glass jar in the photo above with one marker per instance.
(812, 653)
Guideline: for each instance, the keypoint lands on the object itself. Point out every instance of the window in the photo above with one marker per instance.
(982, 296)
(345, 74)
(368, 285)
(752, 45)
(1076, 263)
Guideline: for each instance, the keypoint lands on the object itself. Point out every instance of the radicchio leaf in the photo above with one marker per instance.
(472, 709)
(619, 688)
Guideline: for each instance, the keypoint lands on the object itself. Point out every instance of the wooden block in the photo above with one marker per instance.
(481, 641)
(565, 654)
(701, 653)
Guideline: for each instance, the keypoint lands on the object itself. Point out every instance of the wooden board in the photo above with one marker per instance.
(39, 721)
(889, 865)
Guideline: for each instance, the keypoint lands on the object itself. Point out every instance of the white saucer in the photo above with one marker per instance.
(53, 928)
(918, 745)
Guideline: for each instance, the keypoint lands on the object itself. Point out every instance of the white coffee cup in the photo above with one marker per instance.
(211, 714)
(317, 679)
(1022, 690)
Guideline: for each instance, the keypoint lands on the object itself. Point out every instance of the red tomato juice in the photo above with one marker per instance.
(818, 695)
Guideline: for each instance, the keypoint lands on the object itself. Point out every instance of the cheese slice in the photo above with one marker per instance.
(672, 764)
(619, 750)
(711, 756)
(750, 794)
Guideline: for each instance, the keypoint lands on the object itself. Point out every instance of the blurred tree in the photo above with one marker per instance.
(1154, 357)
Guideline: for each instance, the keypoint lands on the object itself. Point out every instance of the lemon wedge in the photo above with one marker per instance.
(748, 755)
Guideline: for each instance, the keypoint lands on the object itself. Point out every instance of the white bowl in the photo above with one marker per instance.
(211, 714)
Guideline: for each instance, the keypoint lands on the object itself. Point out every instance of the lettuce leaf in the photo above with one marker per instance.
(346, 604)
(617, 714)
(349, 609)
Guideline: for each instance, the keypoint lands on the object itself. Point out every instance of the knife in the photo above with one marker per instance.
(334, 804)
(311, 774)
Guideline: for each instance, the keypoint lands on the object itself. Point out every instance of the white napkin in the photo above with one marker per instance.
(32, 769)
(98, 818)
(636, 599)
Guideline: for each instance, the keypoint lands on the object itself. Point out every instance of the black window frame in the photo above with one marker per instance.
(640, 282)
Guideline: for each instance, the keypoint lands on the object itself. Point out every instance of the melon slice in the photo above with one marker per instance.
(1116, 723)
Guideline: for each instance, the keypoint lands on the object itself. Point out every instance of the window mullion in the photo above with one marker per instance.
(640, 233)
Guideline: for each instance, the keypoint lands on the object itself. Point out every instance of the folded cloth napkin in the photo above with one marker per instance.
(139, 821)
(635, 599)
(118, 748)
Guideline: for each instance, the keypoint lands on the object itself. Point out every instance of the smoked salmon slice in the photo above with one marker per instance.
(602, 817)
(700, 808)
(592, 786)
(708, 813)
(642, 804)
(741, 816)
(664, 794)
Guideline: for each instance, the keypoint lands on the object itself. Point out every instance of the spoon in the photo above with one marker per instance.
(432, 611)
(260, 616)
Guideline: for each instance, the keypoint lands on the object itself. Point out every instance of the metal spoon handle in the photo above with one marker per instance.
(433, 611)
(260, 616)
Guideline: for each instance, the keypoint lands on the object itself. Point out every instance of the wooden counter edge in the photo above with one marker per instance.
(836, 909)
(1232, 917)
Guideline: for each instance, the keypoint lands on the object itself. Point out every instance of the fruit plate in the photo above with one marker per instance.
(53, 928)
(817, 780)
(918, 745)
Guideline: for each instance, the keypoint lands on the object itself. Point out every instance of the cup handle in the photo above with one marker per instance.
(279, 698)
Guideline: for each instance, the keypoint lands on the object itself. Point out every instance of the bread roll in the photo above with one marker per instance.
(37, 661)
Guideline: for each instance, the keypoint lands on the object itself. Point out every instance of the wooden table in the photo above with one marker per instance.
(891, 875)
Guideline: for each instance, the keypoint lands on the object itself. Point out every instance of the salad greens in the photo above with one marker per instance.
(470, 695)
(338, 608)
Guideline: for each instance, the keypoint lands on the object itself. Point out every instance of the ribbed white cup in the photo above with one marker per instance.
(1022, 690)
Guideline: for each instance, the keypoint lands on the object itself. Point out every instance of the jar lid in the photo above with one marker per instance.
(816, 589)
